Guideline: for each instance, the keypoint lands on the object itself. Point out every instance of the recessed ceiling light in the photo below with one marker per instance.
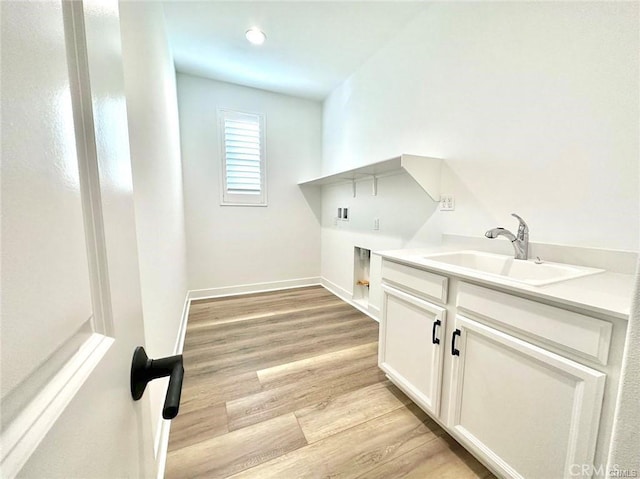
(255, 36)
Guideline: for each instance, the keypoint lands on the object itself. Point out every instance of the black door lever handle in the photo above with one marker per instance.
(144, 370)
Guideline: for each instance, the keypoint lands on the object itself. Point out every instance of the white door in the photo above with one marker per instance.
(71, 309)
(411, 346)
(531, 413)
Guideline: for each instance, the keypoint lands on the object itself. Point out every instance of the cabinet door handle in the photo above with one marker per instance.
(454, 351)
(435, 340)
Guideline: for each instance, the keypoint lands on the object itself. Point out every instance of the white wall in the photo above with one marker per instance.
(241, 245)
(157, 179)
(534, 107)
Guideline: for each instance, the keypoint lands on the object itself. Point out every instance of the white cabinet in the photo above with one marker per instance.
(570, 333)
(411, 346)
(415, 281)
(521, 384)
(531, 413)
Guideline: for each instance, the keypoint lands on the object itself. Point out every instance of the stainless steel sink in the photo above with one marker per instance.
(506, 267)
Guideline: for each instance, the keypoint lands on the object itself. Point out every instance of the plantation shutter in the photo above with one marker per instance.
(243, 155)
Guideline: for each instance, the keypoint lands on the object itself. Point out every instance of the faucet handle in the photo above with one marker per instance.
(523, 228)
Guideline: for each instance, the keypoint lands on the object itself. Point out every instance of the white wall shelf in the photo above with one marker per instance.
(424, 170)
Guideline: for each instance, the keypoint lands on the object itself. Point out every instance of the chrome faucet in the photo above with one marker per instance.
(520, 243)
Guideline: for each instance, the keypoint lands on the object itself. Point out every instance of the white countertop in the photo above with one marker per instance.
(606, 293)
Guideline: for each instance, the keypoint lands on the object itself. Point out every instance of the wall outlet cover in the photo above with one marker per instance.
(447, 203)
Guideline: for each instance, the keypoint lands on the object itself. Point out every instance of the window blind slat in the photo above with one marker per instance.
(245, 181)
(245, 178)
(235, 134)
(242, 162)
(242, 172)
(240, 130)
(251, 149)
(242, 125)
(244, 186)
(247, 168)
(240, 143)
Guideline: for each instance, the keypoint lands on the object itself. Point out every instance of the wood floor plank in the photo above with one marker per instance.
(264, 316)
(231, 306)
(207, 390)
(295, 371)
(192, 427)
(265, 297)
(320, 382)
(442, 458)
(339, 413)
(225, 455)
(273, 402)
(206, 321)
(352, 452)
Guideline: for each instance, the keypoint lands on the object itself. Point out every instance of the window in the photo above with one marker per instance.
(243, 158)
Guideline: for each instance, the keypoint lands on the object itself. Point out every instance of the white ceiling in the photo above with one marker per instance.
(311, 47)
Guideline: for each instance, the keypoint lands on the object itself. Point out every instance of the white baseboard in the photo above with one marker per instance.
(161, 443)
(337, 290)
(347, 296)
(179, 346)
(253, 288)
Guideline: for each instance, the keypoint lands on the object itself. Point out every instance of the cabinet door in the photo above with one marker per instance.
(529, 412)
(411, 340)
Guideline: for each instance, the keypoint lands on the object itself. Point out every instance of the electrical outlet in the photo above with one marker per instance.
(376, 224)
(447, 203)
(345, 214)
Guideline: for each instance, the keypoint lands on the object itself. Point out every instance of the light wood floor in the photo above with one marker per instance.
(286, 385)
